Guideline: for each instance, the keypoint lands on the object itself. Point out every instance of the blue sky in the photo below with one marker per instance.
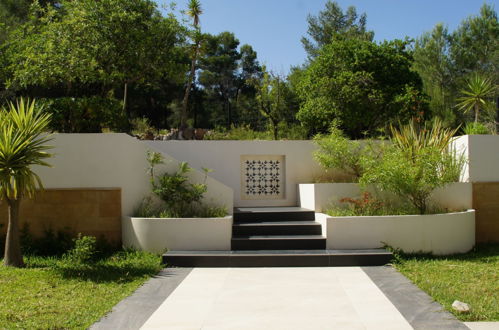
(274, 27)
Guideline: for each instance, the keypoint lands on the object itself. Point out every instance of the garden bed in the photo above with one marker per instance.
(177, 234)
(439, 234)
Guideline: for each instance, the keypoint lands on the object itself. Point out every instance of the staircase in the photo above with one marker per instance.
(277, 237)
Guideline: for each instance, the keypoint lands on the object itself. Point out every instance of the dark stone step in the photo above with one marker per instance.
(277, 228)
(272, 242)
(265, 214)
(290, 258)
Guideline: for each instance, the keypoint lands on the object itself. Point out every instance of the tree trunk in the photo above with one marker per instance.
(125, 97)
(476, 113)
(275, 129)
(13, 256)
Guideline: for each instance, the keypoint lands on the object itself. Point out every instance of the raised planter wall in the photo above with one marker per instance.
(185, 234)
(440, 234)
(318, 196)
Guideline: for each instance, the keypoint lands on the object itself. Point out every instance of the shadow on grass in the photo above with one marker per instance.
(481, 253)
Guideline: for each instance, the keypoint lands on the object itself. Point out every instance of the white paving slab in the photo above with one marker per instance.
(277, 298)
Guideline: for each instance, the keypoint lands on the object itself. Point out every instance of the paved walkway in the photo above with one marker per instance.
(279, 298)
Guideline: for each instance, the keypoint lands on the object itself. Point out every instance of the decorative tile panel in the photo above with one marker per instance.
(262, 177)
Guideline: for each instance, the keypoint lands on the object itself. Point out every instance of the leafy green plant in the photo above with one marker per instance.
(23, 139)
(179, 198)
(141, 127)
(84, 250)
(366, 204)
(476, 129)
(336, 151)
(416, 163)
(476, 95)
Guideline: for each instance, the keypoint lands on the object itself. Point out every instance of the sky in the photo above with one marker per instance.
(274, 27)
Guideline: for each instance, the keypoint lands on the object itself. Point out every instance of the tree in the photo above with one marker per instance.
(361, 84)
(97, 48)
(477, 94)
(219, 70)
(271, 93)
(333, 22)
(194, 12)
(432, 62)
(475, 44)
(22, 145)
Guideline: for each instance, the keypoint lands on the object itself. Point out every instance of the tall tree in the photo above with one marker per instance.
(475, 44)
(194, 12)
(432, 62)
(219, 70)
(361, 84)
(333, 22)
(22, 145)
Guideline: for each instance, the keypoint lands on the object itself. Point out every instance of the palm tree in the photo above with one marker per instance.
(22, 144)
(194, 12)
(475, 96)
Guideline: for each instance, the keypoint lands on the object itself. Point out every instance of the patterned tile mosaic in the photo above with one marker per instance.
(262, 177)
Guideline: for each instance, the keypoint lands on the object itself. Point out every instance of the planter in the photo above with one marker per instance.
(439, 234)
(177, 234)
(318, 196)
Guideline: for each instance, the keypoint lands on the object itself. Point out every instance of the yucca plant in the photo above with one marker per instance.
(23, 141)
(413, 137)
(478, 90)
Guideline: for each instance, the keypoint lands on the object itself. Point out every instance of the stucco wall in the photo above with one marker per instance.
(113, 160)
(224, 158)
(439, 234)
(455, 196)
(482, 152)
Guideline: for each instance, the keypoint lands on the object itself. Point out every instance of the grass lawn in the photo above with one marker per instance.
(472, 278)
(53, 294)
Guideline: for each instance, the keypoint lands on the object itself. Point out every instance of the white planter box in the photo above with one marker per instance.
(177, 234)
(318, 196)
(439, 234)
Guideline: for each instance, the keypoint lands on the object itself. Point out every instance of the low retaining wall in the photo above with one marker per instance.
(318, 196)
(95, 212)
(177, 234)
(439, 234)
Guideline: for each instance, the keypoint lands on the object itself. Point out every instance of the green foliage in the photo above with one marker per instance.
(337, 152)
(332, 23)
(414, 165)
(367, 205)
(476, 129)
(22, 145)
(245, 132)
(85, 115)
(361, 84)
(141, 127)
(51, 243)
(476, 95)
(179, 198)
(84, 250)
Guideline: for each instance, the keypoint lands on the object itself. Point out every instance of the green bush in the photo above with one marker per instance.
(85, 114)
(178, 197)
(84, 250)
(337, 152)
(476, 129)
(286, 131)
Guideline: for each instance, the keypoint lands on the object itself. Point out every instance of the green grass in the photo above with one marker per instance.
(54, 294)
(472, 278)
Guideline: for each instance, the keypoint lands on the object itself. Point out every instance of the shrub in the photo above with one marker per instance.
(141, 127)
(476, 129)
(415, 165)
(338, 152)
(84, 250)
(179, 198)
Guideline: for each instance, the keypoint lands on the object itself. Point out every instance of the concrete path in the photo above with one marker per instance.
(279, 298)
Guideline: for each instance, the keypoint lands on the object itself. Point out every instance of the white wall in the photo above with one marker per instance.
(224, 158)
(319, 196)
(483, 157)
(440, 234)
(159, 235)
(113, 160)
